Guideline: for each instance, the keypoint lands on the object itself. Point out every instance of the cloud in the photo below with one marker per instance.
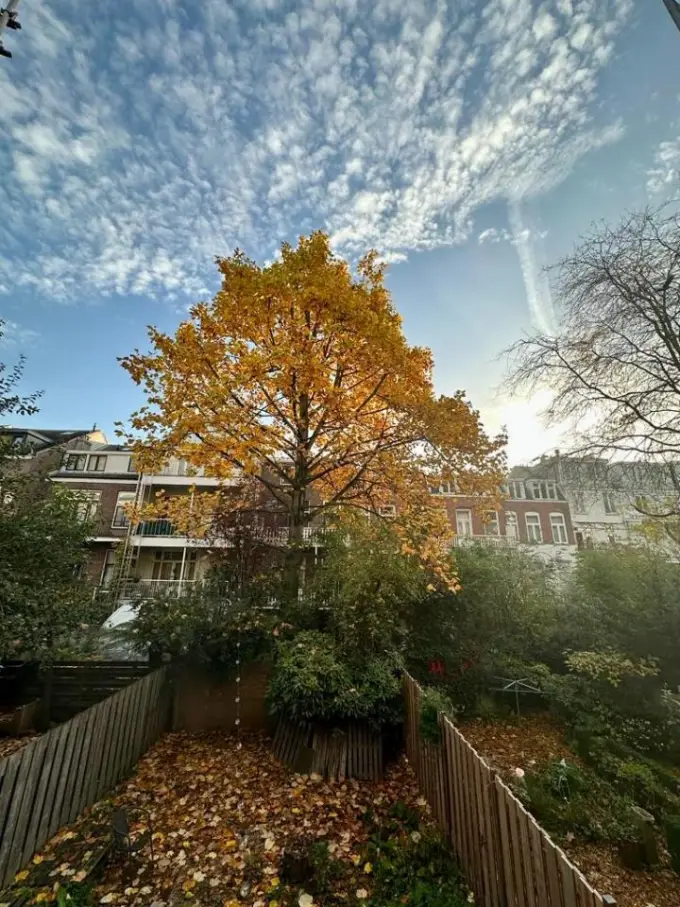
(15, 335)
(138, 147)
(663, 178)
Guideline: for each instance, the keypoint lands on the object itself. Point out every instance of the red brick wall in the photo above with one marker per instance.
(107, 503)
(521, 508)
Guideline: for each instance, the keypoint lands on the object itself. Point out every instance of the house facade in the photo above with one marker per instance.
(602, 495)
(534, 513)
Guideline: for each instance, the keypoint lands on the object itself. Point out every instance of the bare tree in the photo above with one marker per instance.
(614, 364)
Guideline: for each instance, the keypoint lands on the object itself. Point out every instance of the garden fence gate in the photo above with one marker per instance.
(508, 859)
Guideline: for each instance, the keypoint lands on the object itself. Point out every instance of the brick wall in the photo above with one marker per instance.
(521, 508)
(108, 492)
(203, 703)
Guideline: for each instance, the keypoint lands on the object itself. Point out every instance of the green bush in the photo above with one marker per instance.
(566, 799)
(312, 680)
(417, 869)
(434, 702)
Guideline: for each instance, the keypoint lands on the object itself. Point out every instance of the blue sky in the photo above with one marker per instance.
(470, 142)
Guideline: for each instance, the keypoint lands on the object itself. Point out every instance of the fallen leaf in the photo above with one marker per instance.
(305, 900)
(362, 894)
(20, 876)
(368, 868)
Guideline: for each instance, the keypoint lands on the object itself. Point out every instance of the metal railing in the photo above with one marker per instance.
(490, 541)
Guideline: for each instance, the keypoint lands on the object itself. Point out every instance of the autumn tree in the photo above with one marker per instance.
(297, 375)
(613, 365)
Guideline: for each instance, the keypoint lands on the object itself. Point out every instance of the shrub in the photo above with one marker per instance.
(567, 799)
(433, 702)
(418, 869)
(312, 680)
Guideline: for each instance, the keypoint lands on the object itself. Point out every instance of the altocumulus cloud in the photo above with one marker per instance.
(140, 139)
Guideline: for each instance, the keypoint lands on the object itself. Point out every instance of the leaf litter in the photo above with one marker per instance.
(223, 813)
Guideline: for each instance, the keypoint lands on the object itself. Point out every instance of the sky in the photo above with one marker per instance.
(471, 142)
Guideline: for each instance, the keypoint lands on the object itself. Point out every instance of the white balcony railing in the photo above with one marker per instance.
(490, 541)
(136, 589)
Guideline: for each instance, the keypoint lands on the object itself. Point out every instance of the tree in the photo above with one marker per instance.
(45, 608)
(297, 375)
(614, 364)
(10, 400)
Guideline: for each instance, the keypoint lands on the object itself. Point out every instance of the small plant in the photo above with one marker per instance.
(75, 894)
(418, 870)
(433, 703)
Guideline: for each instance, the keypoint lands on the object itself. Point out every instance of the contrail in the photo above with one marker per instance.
(535, 280)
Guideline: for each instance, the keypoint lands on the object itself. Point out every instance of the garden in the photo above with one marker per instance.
(563, 682)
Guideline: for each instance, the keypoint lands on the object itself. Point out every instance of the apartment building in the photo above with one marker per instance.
(602, 495)
(149, 556)
(535, 513)
(39, 449)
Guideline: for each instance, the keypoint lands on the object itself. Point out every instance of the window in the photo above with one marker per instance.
(131, 465)
(120, 517)
(464, 522)
(88, 504)
(75, 463)
(515, 490)
(168, 565)
(97, 463)
(109, 568)
(579, 502)
(511, 531)
(609, 502)
(491, 523)
(558, 529)
(533, 524)
(388, 510)
(541, 491)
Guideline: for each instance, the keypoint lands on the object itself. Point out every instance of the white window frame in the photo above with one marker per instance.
(511, 520)
(609, 503)
(120, 520)
(131, 465)
(87, 506)
(94, 461)
(75, 457)
(108, 568)
(542, 489)
(460, 522)
(389, 511)
(492, 526)
(531, 536)
(562, 525)
(516, 490)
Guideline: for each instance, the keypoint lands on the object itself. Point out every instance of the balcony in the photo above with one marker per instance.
(139, 589)
(489, 541)
(156, 529)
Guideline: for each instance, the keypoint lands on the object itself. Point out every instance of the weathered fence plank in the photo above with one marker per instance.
(48, 782)
(508, 859)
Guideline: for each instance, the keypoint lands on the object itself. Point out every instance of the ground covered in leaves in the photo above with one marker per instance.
(231, 826)
(9, 745)
(530, 742)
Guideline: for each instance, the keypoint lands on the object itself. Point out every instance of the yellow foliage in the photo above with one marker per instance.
(297, 378)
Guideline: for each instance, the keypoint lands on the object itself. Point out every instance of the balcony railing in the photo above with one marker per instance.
(156, 528)
(269, 535)
(490, 541)
(138, 589)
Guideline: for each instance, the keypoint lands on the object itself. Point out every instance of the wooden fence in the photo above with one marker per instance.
(51, 780)
(70, 687)
(508, 859)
